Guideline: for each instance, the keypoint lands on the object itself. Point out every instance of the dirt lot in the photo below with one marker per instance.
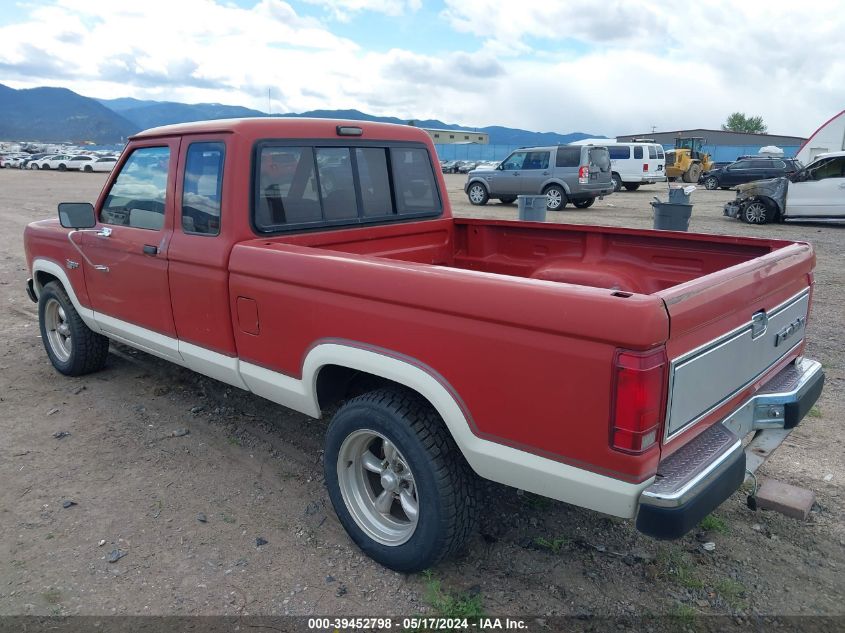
(253, 470)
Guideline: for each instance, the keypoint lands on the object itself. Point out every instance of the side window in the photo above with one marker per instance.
(374, 181)
(514, 161)
(619, 153)
(202, 188)
(830, 168)
(638, 151)
(337, 187)
(536, 160)
(742, 164)
(660, 153)
(652, 151)
(568, 157)
(413, 179)
(138, 196)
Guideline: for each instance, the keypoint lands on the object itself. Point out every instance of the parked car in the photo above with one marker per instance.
(54, 161)
(589, 364)
(27, 162)
(815, 192)
(80, 161)
(449, 166)
(748, 170)
(103, 163)
(12, 160)
(636, 163)
(564, 173)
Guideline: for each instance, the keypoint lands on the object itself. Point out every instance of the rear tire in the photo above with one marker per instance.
(583, 204)
(632, 186)
(72, 347)
(507, 199)
(62, 167)
(477, 194)
(555, 198)
(398, 483)
(89, 169)
(616, 181)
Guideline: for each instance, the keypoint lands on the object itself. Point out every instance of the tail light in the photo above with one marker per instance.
(645, 167)
(583, 175)
(638, 399)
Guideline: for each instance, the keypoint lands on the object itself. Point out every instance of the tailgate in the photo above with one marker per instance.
(729, 329)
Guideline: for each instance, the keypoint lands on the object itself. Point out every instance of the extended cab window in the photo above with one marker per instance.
(301, 187)
(138, 196)
(202, 189)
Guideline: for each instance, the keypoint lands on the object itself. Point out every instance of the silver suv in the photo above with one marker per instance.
(564, 173)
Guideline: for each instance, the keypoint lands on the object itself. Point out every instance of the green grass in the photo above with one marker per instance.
(449, 605)
(537, 502)
(679, 568)
(234, 441)
(731, 591)
(685, 614)
(52, 596)
(712, 523)
(815, 412)
(554, 546)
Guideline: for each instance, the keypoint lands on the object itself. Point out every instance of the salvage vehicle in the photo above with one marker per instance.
(816, 192)
(317, 264)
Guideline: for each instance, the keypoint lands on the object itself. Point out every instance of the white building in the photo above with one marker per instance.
(830, 137)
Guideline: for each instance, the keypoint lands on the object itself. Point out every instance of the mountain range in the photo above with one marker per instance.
(59, 114)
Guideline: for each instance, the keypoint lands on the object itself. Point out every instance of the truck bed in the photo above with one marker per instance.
(616, 259)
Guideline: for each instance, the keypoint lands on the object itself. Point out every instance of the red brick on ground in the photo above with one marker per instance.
(785, 498)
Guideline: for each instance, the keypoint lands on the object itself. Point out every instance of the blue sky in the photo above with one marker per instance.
(603, 67)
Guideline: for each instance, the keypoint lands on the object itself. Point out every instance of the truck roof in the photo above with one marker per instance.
(290, 127)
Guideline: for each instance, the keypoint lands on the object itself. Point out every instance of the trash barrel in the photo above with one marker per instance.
(677, 195)
(670, 216)
(532, 208)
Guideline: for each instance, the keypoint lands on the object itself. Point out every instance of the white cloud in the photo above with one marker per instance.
(609, 67)
(343, 10)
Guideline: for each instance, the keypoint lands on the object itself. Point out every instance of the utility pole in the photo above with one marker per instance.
(269, 107)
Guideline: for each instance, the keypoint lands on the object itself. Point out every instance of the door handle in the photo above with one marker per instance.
(149, 249)
(545, 173)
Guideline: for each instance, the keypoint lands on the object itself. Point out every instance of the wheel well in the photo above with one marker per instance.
(336, 384)
(43, 278)
(560, 185)
(478, 181)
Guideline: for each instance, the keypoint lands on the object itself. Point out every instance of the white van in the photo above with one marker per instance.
(635, 164)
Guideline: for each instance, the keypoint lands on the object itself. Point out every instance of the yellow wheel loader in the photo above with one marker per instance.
(687, 161)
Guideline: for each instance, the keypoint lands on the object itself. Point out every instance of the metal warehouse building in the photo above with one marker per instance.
(722, 145)
(444, 137)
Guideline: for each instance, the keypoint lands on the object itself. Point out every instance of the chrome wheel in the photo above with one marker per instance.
(58, 330)
(378, 487)
(554, 198)
(755, 213)
(477, 194)
(711, 183)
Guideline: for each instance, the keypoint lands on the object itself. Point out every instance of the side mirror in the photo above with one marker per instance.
(77, 215)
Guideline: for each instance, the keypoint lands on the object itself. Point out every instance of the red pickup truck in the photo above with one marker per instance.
(317, 264)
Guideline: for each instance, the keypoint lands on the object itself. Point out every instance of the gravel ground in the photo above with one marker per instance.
(187, 509)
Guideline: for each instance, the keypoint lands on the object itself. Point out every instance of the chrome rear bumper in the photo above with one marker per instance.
(699, 476)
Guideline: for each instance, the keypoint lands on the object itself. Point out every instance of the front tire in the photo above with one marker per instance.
(89, 169)
(756, 212)
(555, 198)
(477, 194)
(711, 183)
(72, 347)
(398, 483)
